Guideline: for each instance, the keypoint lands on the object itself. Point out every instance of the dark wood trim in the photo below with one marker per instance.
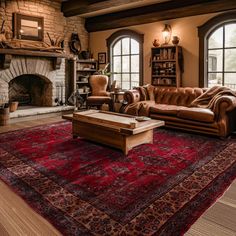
(72, 7)
(6, 56)
(24, 52)
(128, 33)
(204, 32)
(157, 12)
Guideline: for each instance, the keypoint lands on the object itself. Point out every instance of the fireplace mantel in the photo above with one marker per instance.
(6, 56)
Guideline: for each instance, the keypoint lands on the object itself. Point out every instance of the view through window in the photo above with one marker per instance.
(221, 56)
(125, 55)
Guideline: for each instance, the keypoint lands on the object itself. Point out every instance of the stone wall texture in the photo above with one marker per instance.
(55, 24)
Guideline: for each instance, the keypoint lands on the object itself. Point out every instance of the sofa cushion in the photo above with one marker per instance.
(177, 96)
(139, 108)
(165, 109)
(195, 113)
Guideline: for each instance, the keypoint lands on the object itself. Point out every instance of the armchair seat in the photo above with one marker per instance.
(98, 100)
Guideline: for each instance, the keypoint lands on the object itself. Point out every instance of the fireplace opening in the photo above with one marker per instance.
(31, 90)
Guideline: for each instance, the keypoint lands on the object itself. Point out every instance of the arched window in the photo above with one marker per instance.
(218, 51)
(125, 49)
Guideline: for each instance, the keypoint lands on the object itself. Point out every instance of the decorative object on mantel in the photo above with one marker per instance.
(28, 35)
(31, 45)
(166, 33)
(2, 34)
(28, 27)
(156, 43)
(75, 44)
(57, 43)
(85, 55)
(175, 40)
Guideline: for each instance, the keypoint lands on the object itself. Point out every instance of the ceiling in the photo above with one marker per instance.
(110, 14)
(91, 8)
(119, 6)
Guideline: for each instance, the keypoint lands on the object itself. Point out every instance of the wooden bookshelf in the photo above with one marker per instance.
(167, 66)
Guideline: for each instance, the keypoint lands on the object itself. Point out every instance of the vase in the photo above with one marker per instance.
(175, 40)
(155, 43)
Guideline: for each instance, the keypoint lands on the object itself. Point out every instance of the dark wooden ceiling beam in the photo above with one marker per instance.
(157, 12)
(72, 7)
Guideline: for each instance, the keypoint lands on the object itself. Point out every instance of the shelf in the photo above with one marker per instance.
(166, 85)
(166, 66)
(80, 82)
(84, 93)
(167, 76)
(87, 61)
(166, 60)
(88, 70)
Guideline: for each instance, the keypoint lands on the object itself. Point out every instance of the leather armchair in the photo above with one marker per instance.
(99, 96)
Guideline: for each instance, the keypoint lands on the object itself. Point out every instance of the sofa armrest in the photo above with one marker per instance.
(132, 96)
(223, 104)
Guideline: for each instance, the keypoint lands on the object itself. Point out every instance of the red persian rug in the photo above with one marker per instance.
(84, 188)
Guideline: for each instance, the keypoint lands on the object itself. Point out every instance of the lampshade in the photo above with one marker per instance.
(166, 33)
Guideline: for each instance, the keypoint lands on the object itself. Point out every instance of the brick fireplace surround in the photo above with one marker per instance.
(41, 68)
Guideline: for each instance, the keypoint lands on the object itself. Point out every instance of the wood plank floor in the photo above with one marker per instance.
(18, 219)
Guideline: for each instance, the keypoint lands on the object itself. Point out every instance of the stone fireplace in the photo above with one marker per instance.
(33, 80)
(31, 90)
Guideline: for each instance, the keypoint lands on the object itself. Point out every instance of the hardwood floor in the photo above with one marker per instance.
(18, 219)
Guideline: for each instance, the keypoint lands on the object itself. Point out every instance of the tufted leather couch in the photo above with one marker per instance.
(173, 105)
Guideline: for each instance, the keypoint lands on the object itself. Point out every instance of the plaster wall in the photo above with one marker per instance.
(185, 28)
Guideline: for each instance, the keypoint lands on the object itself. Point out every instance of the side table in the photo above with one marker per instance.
(117, 101)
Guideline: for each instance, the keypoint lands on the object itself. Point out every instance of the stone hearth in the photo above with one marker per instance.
(34, 68)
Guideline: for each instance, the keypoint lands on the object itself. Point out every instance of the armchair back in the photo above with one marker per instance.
(99, 85)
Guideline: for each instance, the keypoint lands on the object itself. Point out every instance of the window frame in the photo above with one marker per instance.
(204, 32)
(120, 34)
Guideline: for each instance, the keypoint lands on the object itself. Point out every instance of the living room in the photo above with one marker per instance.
(117, 117)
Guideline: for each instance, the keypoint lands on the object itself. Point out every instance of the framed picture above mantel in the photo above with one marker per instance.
(28, 27)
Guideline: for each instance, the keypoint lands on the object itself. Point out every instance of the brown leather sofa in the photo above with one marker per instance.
(175, 107)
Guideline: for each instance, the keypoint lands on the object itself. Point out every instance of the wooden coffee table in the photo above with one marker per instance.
(113, 129)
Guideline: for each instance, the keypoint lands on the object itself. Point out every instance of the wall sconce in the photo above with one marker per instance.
(166, 33)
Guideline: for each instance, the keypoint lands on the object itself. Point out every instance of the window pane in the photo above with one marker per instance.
(125, 64)
(125, 46)
(230, 35)
(117, 48)
(215, 60)
(134, 80)
(117, 78)
(230, 80)
(134, 84)
(117, 64)
(216, 39)
(125, 85)
(134, 47)
(126, 77)
(230, 59)
(214, 79)
(135, 63)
